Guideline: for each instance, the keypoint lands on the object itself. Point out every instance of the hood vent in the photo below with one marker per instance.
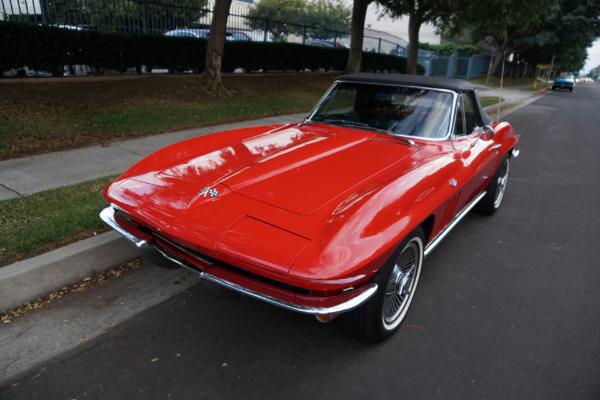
(392, 140)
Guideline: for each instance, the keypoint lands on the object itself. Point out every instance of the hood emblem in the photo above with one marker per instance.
(208, 191)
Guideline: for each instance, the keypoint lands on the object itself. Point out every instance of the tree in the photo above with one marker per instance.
(318, 19)
(357, 33)
(517, 19)
(441, 13)
(215, 48)
(566, 35)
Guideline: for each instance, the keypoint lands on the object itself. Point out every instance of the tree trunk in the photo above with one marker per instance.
(414, 25)
(499, 57)
(357, 32)
(214, 50)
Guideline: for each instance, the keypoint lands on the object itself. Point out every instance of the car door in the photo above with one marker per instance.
(474, 149)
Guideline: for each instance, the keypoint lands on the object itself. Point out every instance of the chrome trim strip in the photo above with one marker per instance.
(429, 248)
(108, 215)
(337, 309)
(157, 256)
(449, 133)
(495, 147)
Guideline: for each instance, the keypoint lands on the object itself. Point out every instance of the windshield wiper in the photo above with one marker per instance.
(358, 125)
(385, 131)
(334, 121)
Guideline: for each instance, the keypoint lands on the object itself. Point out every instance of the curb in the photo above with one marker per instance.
(28, 279)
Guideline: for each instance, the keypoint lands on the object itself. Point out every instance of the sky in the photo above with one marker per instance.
(398, 27)
(593, 59)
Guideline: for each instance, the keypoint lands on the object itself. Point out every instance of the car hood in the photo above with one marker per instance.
(298, 169)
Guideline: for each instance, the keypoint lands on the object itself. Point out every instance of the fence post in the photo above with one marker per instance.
(450, 67)
(42, 10)
(144, 13)
(265, 30)
(303, 34)
(334, 38)
(470, 73)
(379, 46)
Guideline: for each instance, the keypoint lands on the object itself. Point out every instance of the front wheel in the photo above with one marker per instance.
(495, 191)
(397, 280)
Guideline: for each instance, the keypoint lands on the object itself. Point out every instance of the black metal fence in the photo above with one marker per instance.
(161, 16)
(193, 18)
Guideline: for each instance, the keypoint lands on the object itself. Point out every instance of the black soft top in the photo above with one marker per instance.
(413, 80)
(458, 85)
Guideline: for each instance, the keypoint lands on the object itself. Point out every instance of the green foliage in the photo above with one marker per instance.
(467, 50)
(443, 49)
(47, 48)
(374, 62)
(566, 34)
(287, 17)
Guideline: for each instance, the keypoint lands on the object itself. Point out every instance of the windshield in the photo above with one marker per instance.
(400, 110)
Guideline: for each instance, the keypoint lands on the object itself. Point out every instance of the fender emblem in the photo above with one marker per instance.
(208, 191)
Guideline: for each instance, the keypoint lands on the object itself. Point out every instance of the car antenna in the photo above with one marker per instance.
(501, 81)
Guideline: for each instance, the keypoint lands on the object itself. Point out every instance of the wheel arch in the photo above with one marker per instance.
(427, 227)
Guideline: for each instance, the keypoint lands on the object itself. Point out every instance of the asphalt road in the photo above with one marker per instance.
(507, 307)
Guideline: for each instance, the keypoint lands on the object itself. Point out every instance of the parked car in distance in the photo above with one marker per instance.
(195, 33)
(249, 36)
(331, 216)
(326, 43)
(564, 82)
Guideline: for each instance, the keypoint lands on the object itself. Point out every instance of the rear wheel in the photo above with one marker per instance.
(495, 191)
(397, 280)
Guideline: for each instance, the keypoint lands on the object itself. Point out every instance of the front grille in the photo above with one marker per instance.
(186, 255)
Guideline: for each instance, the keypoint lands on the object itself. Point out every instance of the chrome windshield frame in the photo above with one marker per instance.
(449, 133)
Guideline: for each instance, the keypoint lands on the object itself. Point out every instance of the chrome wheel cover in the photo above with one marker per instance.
(501, 183)
(401, 286)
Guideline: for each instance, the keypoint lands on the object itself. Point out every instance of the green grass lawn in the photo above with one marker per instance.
(46, 117)
(487, 101)
(43, 221)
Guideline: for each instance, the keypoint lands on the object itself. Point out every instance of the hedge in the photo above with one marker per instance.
(46, 48)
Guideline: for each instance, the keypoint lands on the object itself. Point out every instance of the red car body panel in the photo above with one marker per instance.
(337, 200)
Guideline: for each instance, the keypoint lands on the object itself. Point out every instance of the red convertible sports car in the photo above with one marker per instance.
(330, 216)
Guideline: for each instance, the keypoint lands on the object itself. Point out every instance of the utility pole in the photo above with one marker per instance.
(551, 66)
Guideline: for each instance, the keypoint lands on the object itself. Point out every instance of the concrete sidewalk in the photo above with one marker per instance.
(28, 279)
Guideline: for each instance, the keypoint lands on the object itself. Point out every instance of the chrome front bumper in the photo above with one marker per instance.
(306, 304)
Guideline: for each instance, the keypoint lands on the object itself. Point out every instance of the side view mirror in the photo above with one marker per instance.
(486, 133)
